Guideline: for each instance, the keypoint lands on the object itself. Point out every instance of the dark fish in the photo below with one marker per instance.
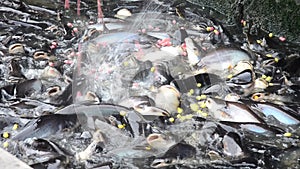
(115, 115)
(175, 155)
(44, 152)
(15, 70)
(187, 83)
(243, 78)
(61, 99)
(24, 89)
(46, 126)
(179, 36)
(29, 87)
(157, 75)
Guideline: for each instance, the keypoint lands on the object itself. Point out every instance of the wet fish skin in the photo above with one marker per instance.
(175, 155)
(231, 111)
(232, 145)
(167, 98)
(284, 115)
(87, 114)
(45, 126)
(219, 60)
(193, 51)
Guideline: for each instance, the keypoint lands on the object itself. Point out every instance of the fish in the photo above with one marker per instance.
(160, 142)
(175, 155)
(232, 145)
(231, 111)
(188, 82)
(194, 52)
(43, 151)
(116, 115)
(46, 126)
(222, 59)
(167, 97)
(282, 114)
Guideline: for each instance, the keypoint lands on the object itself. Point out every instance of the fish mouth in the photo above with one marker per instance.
(16, 48)
(153, 137)
(54, 91)
(159, 163)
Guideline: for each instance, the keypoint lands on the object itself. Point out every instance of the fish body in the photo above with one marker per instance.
(177, 154)
(222, 59)
(286, 117)
(231, 111)
(46, 126)
(113, 114)
(193, 51)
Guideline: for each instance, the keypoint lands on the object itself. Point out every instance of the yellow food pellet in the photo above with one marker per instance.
(122, 113)
(208, 29)
(270, 35)
(269, 55)
(287, 134)
(230, 76)
(178, 116)
(204, 114)
(268, 78)
(191, 91)
(194, 107)
(199, 111)
(202, 105)
(121, 126)
(15, 127)
(148, 148)
(5, 144)
(199, 84)
(216, 32)
(276, 59)
(126, 63)
(271, 84)
(258, 41)
(5, 134)
(171, 119)
(152, 69)
(179, 110)
(263, 76)
(255, 97)
(244, 23)
(203, 96)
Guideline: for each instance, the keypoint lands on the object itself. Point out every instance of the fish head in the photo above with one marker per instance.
(193, 51)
